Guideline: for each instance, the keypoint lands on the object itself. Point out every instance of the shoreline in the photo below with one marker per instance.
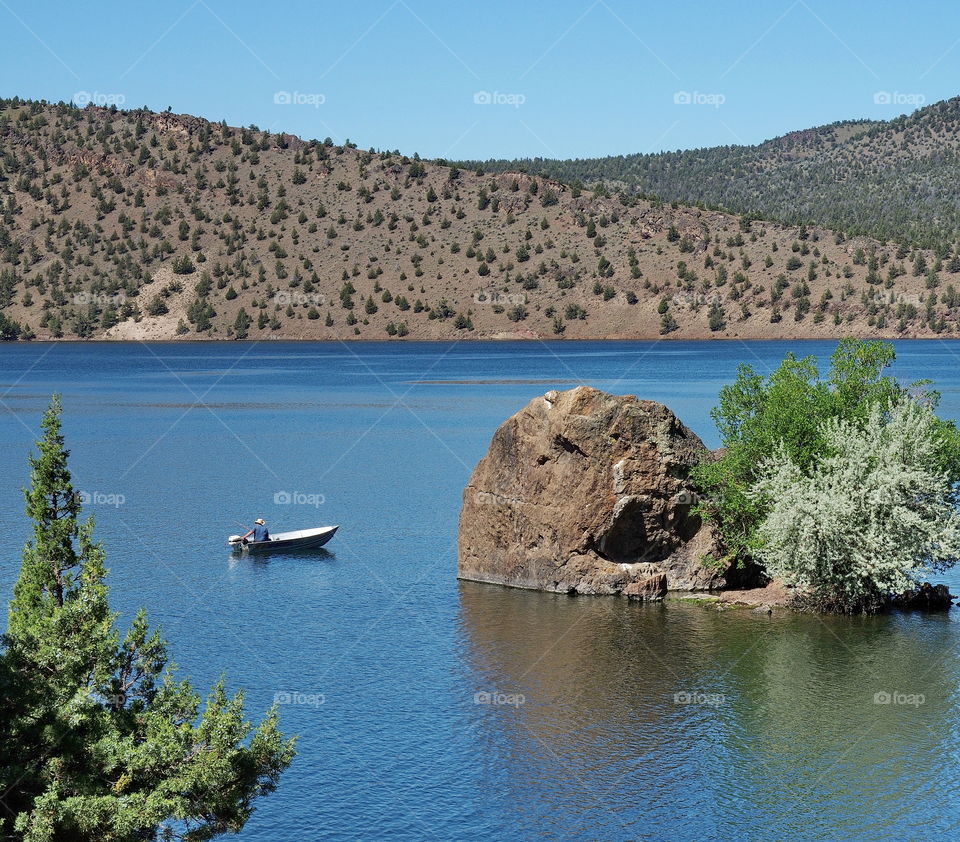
(476, 340)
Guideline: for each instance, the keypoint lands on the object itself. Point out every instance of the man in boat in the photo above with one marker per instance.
(259, 531)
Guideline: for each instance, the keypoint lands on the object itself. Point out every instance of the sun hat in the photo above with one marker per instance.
(260, 521)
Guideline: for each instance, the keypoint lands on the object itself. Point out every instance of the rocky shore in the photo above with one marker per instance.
(583, 492)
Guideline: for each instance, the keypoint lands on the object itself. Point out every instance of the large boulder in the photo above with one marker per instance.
(585, 492)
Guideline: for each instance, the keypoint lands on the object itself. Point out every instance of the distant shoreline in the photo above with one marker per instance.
(552, 340)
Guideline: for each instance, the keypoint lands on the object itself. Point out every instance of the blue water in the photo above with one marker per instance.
(377, 652)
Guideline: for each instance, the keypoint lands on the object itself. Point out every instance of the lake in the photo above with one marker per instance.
(428, 708)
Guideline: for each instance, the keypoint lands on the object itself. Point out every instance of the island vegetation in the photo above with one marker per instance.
(98, 737)
(842, 485)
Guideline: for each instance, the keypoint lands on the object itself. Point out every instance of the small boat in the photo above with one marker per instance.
(303, 539)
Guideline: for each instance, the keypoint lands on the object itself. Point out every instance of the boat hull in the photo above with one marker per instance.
(304, 539)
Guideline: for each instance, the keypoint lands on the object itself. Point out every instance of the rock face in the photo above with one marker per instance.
(647, 590)
(585, 492)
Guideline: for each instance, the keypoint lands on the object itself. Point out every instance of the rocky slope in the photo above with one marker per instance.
(893, 179)
(137, 225)
(584, 492)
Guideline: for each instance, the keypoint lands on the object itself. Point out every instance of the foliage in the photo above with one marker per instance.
(9, 329)
(241, 325)
(872, 511)
(98, 739)
(787, 409)
(157, 306)
(716, 318)
(826, 175)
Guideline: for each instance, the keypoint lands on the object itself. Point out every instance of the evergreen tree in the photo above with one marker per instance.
(717, 318)
(668, 324)
(98, 740)
(241, 324)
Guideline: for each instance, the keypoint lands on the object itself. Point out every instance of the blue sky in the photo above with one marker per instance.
(500, 79)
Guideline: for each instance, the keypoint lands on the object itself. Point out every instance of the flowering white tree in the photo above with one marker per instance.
(868, 517)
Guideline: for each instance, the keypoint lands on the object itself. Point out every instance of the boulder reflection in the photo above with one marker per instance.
(614, 717)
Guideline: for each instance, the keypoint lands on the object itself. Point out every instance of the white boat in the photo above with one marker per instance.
(303, 539)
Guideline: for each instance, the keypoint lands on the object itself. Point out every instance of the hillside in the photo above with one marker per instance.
(896, 180)
(141, 225)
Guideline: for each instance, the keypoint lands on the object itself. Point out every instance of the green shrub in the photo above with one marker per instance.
(757, 415)
(870, 515)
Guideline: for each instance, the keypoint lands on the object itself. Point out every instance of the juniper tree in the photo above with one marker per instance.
(98, 739)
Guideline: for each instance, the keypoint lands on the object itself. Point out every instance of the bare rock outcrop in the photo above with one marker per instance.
(586, 492)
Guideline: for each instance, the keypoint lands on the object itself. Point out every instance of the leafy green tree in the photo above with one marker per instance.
(757, 414)
(98, 739)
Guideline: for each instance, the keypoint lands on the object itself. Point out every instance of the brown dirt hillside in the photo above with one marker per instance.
(137, 225)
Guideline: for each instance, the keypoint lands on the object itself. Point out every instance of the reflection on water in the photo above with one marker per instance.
(637, 715)
(262, 558)
(637, 722)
